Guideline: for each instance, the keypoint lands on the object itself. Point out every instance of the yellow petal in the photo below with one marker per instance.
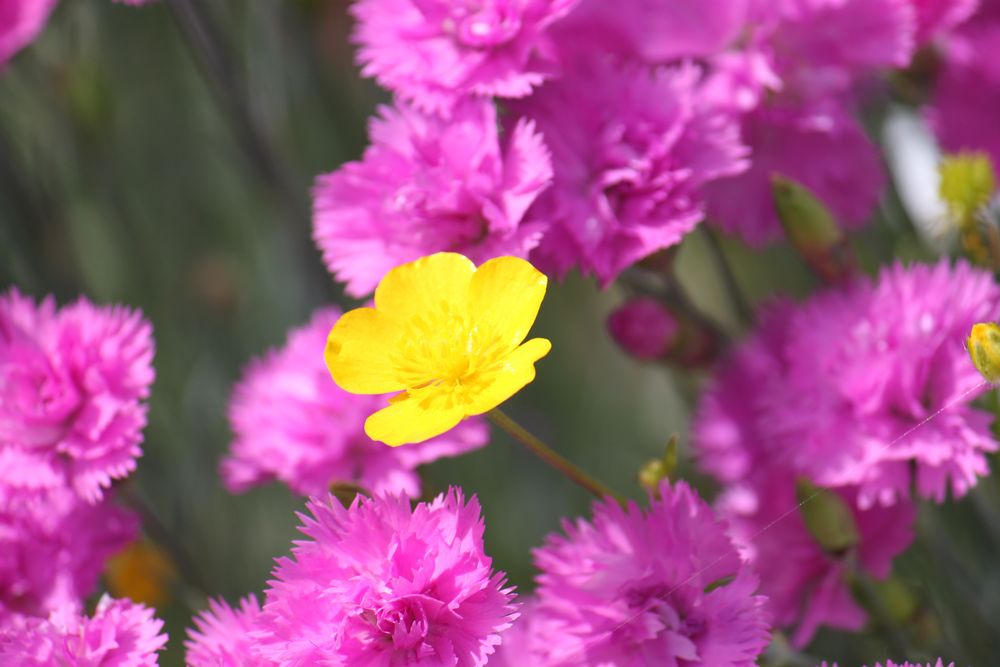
(518, 369)
(422, 286)
(411, 418)
(359, 352)
(504, 298)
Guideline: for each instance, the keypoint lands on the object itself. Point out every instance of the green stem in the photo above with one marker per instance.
(550, 456)
(737, 299)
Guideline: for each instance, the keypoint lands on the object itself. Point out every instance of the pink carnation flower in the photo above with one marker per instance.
(434, 52)
(868, 386)
(631, 161)
(823, 47)
(222, 637)
(890, 663)
(820, 145)
(73, 385)
(938, 16)
(383, 584)
(878, 385)
(629, 588)
(20, 23)
(428, 185)
(53, 547)
(644, 328)
(966, 92)
(805, 586)
(119, 634)
(293, 424)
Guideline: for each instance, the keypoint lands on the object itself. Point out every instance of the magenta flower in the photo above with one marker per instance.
(849, 383)
(73, 385)
(805, 586)
(823, 47)
(966, 92)
(629, 588)
(383, 584)
(222, 637)
(435, 52)
(53, 547)
(428, 185)
(820, 145)
(119, 634)
(20, 23)
(935, 17)
(293, 424)
(890, 663)
(630, 161)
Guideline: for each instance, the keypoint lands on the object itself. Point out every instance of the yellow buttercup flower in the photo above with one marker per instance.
(445, 334)
(984, 349)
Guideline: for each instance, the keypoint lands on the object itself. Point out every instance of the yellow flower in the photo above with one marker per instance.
(142, 573)
(984, 349)
(968, 182)
(445, 334)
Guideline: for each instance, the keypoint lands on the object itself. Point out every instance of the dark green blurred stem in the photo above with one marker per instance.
(737, 300)
(162, 536)
(894, 636)
(550, 456)
(31, 213)
(206, 40)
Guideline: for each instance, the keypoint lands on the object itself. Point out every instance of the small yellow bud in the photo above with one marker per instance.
(968, 182)
(984, 349)
(657, 470)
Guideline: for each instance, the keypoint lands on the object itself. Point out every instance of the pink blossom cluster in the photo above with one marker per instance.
(20, 23)
(73, 389)
(378, 583)
(294, 425)
(625, 124)
(866, 391)
(662, 586)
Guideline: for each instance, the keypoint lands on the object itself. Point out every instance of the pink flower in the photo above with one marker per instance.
(20, 23)
(629, 588)
(879, 385)
(53, 547)
(223, 635)
(938, 16)
(73, 385)
(868, 386)
(631, 161)
(434, 52)
(805, 586)
(966, 93)
(293, 424)
(120, 634)
(890, 663)
(823, 47)
(383, 584)
(820, 145)
(428, 185)
(644, 328)
(653, 31)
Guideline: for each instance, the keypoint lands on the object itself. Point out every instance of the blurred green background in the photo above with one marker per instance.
(162, 157)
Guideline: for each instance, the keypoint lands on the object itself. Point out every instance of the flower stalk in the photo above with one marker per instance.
(550, 456)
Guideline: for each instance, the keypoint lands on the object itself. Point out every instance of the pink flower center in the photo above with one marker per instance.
(482, 25)
(404, 621)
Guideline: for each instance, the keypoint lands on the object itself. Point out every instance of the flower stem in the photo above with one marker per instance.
(550, 456)
(737, 300)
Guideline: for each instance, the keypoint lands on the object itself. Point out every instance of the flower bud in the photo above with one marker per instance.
(827, 517)
(644, 328)
(983, 344)
(812, 230)
(655, 471)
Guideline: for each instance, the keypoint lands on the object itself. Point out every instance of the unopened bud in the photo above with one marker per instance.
(812, 229)
(657, 470)
(644, 328)
(984, 349)
(968, 183)
(827, 517)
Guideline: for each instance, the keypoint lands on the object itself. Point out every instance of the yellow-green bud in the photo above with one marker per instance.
(655, 471)
(827, 517)
(968, 182)
(984, 349)
(807, 221)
